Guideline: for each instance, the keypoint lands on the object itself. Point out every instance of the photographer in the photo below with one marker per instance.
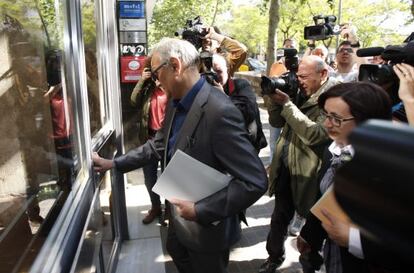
(320, 51)
(297, 158)
(242, 95)
(234, 51)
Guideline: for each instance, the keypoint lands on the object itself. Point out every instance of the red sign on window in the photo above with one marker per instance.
(131, 68)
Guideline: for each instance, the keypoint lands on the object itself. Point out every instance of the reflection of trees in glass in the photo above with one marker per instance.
(37, 17)
(89, 37)
(26, 122)
(88, 23)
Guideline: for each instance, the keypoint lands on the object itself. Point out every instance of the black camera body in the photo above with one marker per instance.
(323, 29)
(207, 67)
(383, 74)
(193, 32)
(287, 82)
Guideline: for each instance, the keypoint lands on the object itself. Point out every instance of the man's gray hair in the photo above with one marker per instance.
(181, 49)
(317, 61)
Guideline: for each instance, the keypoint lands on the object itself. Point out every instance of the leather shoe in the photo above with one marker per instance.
(154, 212)
(269, 266)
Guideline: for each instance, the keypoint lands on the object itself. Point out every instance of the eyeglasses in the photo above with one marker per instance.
(336, 121)
(349, 50)
(154, 73)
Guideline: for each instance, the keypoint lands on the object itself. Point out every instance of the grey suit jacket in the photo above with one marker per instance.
(213, 133)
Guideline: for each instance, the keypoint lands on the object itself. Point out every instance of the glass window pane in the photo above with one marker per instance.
(38, 144)
(95, 99)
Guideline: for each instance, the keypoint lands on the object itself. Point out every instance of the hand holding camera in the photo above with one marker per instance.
(348, 32)
(405, 73)
(279, 97)
(213, 35)
(146, 74)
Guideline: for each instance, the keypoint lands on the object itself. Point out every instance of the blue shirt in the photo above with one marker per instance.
(182, 106)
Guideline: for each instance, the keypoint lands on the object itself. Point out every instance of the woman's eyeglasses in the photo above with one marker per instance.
(335, 120)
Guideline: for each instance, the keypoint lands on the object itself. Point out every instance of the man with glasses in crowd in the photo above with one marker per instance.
(297, 157)
(346, 71)
(202, 122)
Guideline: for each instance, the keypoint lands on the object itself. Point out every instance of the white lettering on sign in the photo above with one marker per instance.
(140, 49)
(133, 49)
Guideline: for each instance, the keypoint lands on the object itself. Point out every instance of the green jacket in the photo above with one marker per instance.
(303, 129)
(141, 98)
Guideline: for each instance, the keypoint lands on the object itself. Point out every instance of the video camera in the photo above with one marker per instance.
(323, 29)
(193, 31)
(287, 82)
(383, 74)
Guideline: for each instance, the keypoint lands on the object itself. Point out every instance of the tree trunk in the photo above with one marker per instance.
(274, 18)
(213, 21)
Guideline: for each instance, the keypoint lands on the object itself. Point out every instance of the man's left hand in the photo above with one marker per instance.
(337, 230)
(185, 209)
(279, 97)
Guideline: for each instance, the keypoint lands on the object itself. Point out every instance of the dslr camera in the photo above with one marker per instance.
(383, 74)
(287, 82)
(323, 29)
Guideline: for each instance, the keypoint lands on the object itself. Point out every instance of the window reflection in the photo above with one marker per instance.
(89, 29)
(39, 149)
(62, 121)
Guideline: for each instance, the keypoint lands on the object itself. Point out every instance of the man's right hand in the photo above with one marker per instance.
(279, 97)
(101, 164)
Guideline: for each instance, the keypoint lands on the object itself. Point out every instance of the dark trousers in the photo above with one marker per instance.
(190, 261)
(282, 215)
(150, 177)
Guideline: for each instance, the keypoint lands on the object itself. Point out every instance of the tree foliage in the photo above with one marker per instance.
(89, 24)
(371, 19)
(36, 15)
(248, 25)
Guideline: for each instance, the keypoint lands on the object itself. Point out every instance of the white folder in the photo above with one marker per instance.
(188, 179)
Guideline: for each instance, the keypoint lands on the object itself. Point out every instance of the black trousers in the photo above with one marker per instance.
(283, 213)
(190, 261)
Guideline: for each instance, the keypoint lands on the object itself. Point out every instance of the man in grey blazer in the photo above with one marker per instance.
(202, 122)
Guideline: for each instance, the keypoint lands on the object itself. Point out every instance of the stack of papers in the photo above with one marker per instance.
(188, 179)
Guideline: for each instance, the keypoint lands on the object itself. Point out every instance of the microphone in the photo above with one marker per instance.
(369, 51)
